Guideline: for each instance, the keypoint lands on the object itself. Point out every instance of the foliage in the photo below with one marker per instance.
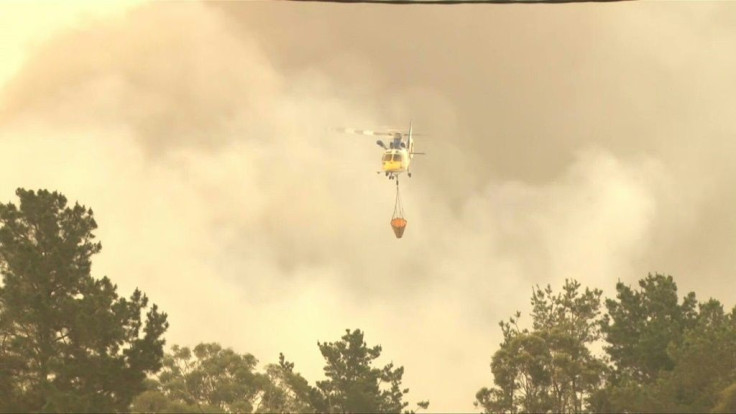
(704, 365)
(665, 356)
(353, 384)
(643, 329)
(549, 368)
(287, 391)
(206, 378)
(641, 324)
(726, 401)
(212, 379)
(67, 341)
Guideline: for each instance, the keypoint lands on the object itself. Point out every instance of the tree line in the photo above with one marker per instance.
(70, 343)
(658, 353)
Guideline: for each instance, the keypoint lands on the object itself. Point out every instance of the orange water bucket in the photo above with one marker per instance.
(398, 224)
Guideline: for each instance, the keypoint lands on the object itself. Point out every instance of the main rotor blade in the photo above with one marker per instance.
(364, 132)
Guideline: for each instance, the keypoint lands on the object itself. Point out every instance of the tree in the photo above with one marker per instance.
(521, 374)
(642, 328)
(704, 363)
(667, 356)
(641, 324)
(569, 322)
(287, 391)
(551, 367)
(353, 385)
(206, 378)
(67, 341)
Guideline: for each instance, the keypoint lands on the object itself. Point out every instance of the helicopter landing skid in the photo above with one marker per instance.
(392, 175)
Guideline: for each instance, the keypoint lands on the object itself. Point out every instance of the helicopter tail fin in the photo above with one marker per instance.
(411, 139)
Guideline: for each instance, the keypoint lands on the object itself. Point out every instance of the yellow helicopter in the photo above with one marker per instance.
(397, 155)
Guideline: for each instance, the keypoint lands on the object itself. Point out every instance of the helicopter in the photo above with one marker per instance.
(397, 155)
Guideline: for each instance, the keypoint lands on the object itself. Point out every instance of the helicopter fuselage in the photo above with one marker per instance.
(395, 161)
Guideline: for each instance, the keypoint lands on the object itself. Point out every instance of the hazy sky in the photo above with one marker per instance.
(587, 141)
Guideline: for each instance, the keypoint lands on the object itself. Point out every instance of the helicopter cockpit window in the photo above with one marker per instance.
(397, 157)
(387, 157)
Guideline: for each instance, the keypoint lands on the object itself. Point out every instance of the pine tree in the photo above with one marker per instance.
(68, 343)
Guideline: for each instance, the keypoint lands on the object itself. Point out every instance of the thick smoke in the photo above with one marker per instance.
(586, 142)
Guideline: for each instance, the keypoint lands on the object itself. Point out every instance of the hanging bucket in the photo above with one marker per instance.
(398, 224)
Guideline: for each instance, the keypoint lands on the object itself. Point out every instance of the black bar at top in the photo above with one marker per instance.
(462, 1)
